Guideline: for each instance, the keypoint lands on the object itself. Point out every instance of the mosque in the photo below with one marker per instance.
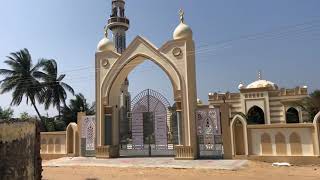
(261, 121)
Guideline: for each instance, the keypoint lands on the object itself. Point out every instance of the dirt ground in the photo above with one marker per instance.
(254, 171)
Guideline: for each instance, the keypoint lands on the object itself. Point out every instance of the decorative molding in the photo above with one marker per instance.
(177, 52)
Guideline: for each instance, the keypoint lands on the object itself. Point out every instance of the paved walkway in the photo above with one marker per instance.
(147, 163)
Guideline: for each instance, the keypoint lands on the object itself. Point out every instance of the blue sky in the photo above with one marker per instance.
(234, 40)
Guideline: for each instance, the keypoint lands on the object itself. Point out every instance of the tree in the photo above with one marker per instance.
(25, 116)
(69, 113)
(6, 113)
(54, 88)
(20, 79)
(311, 104)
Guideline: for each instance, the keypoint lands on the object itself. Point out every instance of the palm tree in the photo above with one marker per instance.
(54, 88)
(69, 113)
(20, 79)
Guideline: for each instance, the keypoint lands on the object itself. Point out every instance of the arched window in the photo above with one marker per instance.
(256, 115)
(292, 115)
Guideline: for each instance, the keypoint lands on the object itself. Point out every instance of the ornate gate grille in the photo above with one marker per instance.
(209, 133)
(149, 127)
(88, 131)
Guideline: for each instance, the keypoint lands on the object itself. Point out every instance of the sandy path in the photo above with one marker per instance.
(255, 171)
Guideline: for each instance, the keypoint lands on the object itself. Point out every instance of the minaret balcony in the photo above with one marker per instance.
(114, 22)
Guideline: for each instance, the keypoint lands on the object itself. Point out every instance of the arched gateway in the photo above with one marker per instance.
(176, 58)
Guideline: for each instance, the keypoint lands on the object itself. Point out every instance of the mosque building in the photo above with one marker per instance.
(263, 102)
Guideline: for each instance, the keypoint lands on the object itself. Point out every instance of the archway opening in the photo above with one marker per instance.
(292, 115)
(238, 136)
(145, 112)
(256, 115)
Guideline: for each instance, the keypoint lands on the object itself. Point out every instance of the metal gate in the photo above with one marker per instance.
(209, 133)
(150, 127)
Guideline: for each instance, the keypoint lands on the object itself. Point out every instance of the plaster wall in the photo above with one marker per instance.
(305, 135)
(53, 142)
(19, 150)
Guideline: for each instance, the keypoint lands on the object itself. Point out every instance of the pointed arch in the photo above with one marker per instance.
(266, 146)
(44, 145)
(295, 144)
(50, 146)
(316, 122)
(72, 139)
(138, 51)
(239, 136)
(57, 145)
(281, 146)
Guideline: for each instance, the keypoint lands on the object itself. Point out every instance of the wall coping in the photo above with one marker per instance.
(54, 133)
(270, 126)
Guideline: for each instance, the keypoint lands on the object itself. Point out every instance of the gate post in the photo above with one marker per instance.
(80, 118)
(182, 151)
(108, 150)
(226, 134)
(179, 121)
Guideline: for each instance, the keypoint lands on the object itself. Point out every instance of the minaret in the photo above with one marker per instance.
(118, 24)
(124, 109)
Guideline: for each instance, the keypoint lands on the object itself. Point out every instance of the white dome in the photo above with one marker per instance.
(105, 45)
(183, 31)
(262, 84)
(241, 86)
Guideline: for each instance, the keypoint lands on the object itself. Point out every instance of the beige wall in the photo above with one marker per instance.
(53, 142)
(282, 140)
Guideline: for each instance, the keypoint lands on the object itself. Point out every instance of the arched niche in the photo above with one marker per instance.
(57, 145)
(295, 144)
(292, 115)
(50, 146)
(239, 136)
(44, 146)
(72, 139)
(266, 146)
(256, 115)
(281, 146)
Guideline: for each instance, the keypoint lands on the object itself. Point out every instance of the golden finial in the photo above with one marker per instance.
(181, 14)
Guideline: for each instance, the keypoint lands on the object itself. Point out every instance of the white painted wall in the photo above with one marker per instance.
(304, 133)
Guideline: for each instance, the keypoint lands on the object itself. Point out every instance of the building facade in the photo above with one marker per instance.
(263, 102)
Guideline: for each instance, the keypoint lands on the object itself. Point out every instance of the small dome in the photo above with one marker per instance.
(183, 31)
(199, 101)
(105, 44)
(262, 84)
(241, 86)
